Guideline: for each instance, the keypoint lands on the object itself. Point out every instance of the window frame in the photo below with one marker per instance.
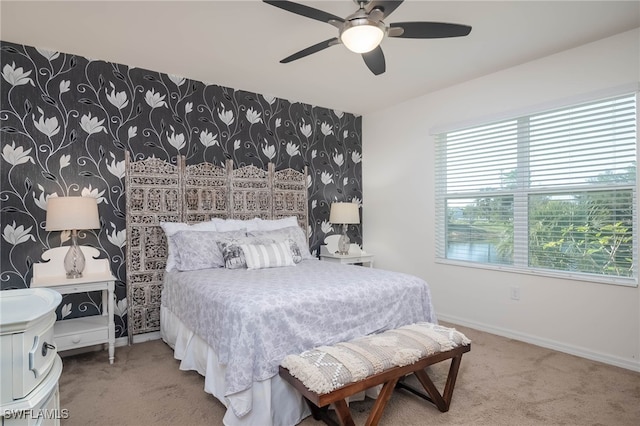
(522, 193)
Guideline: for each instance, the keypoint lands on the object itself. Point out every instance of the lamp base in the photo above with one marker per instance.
(74, 274)
(344, 243)
(74, 260)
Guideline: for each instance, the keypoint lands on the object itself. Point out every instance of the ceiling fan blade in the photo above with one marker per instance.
(427, 30)
(300, 9)
(387, 7)
(375, 61)
(311, 49)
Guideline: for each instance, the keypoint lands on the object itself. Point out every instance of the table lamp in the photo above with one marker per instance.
(344, 214)
(72, 213)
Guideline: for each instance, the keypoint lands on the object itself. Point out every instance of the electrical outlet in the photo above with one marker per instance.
(515, 293)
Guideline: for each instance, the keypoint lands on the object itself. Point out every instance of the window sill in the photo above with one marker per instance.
(624, 282)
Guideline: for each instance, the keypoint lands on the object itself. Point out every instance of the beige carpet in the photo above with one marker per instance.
(501, 382)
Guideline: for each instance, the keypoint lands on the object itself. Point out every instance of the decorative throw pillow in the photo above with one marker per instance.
(232, 253)
(273, 255)
(170, 229)
(296, 254)
(199, 250)
(264, 238)
(293, 233)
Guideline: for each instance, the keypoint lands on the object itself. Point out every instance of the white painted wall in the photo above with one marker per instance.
(597, 321)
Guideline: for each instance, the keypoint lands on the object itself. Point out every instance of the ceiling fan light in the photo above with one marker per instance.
(362, 35)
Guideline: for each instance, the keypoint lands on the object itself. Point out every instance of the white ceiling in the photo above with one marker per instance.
(239, 43)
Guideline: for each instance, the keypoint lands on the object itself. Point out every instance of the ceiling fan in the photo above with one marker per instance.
(363, 31)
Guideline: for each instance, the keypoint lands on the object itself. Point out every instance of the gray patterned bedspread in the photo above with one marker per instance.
(254, 318)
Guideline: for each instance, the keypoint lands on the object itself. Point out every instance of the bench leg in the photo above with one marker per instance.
(322, 413)
(316, 413)
(441, 401)
(451, 379)
(343, 413)
(381, 402)
(342, 409)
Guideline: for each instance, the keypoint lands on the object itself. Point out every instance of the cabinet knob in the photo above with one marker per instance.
(45, 348)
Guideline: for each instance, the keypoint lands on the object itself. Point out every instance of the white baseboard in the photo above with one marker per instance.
(633, 365)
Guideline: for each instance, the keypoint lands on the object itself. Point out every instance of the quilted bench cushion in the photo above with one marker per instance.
(326, 368)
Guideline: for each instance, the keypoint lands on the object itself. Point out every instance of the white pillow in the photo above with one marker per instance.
(170, 228)
(270, 225)
(267, 256)
(224, 225)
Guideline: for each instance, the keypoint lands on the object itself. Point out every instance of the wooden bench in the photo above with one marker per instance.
(330, 374)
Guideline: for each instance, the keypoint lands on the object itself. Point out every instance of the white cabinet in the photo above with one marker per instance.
(29, 363)
(85, 331)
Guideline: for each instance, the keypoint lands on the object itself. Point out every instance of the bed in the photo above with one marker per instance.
(234, 325)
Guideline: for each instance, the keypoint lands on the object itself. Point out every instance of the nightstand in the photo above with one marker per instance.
(84, 331)
(365, 259)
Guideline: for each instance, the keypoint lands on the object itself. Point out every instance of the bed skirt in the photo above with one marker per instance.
(270, 402)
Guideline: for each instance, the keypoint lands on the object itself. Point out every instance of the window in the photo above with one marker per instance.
(552, 192)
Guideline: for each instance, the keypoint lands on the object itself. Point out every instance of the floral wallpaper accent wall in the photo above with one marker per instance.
(66, 122)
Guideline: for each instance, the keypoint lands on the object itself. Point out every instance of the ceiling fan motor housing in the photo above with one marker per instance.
(360, 33)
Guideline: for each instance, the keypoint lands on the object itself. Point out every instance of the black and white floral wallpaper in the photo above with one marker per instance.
(66, 122)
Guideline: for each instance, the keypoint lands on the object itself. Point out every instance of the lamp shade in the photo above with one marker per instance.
(362, 35)
(344, 213)
(69, 213)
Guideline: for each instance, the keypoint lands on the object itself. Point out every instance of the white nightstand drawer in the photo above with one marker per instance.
(35, 352)
(79, 332)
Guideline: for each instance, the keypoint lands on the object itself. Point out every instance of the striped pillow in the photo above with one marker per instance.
(268, 255)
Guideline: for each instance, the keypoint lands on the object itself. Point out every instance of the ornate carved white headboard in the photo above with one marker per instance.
(158, 191)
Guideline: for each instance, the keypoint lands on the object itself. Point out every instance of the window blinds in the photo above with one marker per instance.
(558, 170)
